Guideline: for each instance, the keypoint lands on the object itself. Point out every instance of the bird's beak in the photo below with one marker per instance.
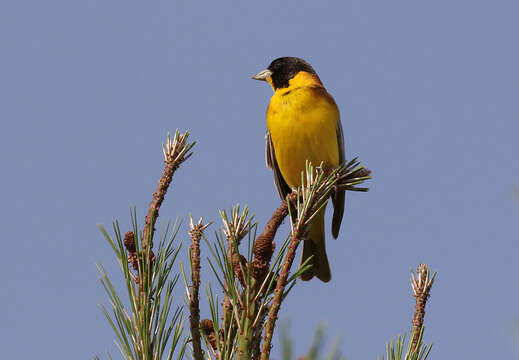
(263, 75)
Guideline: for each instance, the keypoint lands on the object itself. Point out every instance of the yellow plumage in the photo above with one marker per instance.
(303, 124)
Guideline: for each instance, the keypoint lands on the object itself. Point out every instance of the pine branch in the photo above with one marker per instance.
(254, 286)
(144, 330)
(421, 285)
(196, 232)
(416, 349)
(296, 237)
(176, 151)
(310, 198)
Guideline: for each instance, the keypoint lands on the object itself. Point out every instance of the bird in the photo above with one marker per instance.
(303, 124)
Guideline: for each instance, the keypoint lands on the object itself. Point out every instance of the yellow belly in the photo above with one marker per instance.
(302, 127)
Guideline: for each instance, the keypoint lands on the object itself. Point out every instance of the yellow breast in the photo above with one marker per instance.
(302, 121)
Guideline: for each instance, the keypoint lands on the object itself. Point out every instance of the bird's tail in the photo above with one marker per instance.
(314, 245)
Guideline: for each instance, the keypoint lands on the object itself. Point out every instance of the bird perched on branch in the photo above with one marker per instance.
(303, 124)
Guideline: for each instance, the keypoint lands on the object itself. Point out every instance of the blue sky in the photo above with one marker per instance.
(428, 98)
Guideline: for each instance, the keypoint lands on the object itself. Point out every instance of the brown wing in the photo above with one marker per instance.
(338, 196)
(270, 157)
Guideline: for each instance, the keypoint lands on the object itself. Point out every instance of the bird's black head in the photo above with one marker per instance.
(285, 68)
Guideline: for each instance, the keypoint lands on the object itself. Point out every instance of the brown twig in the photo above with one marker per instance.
(421, 285)
(309, 199)
(175, 153)
(297, 234)
(195, 232)
(263, 249)
(314, 194)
